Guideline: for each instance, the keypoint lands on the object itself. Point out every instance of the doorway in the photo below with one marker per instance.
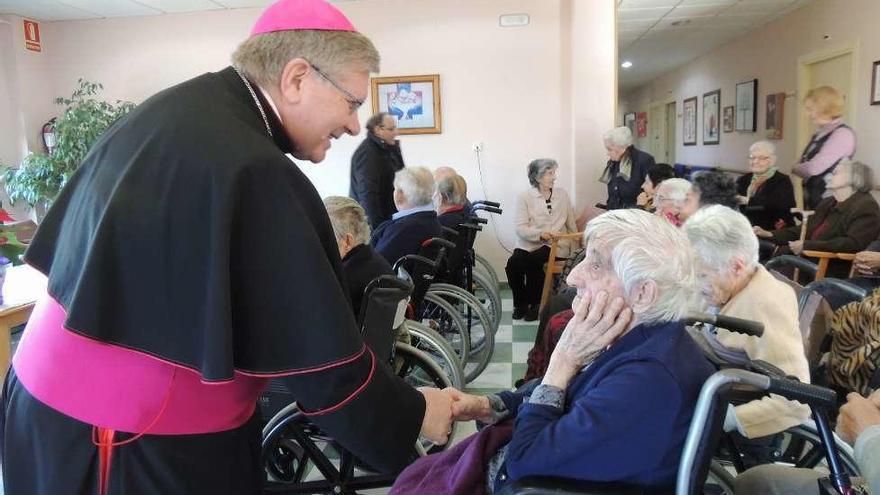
(670, 133)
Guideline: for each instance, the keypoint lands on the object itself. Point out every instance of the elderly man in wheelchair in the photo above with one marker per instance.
(619, 393)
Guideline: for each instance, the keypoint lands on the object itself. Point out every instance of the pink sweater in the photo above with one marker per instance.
(841, 144)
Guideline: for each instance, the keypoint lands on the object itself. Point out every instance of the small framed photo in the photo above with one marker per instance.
(775, 115)
(629, 120)
(642, 124)
(414, 102)
(746, 106)
(712, 117)
(875, 84)
(728, 119)
(689, 122)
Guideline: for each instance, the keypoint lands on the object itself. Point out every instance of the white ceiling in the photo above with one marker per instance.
(647, 37)
(67, 10)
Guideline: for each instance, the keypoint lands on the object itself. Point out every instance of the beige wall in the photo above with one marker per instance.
(771, 55)
(507, 87)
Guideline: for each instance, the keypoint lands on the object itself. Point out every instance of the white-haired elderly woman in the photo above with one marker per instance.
(734, 284)
(616, 401)
(415, 220)
(767, 193)
(361, 264)
(542, 212)
(626, 169)
(670, 199)
(846, 222)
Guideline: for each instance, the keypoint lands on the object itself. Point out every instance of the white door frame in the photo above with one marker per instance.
(803, 78)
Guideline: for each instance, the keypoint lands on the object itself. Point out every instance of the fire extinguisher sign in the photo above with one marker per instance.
(32, 36)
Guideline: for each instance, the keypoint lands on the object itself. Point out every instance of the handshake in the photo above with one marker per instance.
(442, 407)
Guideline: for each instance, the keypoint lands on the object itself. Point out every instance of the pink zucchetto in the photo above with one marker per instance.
(290, 15)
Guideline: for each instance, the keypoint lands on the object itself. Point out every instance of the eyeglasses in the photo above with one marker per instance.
(353, 102)
(753, 158)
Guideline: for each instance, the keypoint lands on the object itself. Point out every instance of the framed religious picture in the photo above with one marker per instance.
(712, 117)
(875, 84)
(689, 121)
(746, 106)
(728, 119)
(629, 120)
(642, 124)
(414, 101)
(775, 115)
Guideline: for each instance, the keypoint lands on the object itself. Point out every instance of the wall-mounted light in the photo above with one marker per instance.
(513, 20)
(626, 64)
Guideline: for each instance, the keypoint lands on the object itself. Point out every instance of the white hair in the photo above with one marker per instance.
(767, 147)
(646, 247)
(720, 234)
(416, 184)
(673, 189)
(347, 217)
(621, 137)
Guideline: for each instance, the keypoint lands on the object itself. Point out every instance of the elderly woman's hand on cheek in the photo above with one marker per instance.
(596, 324)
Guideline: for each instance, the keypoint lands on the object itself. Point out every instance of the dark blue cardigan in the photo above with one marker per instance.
(626, 416)
(396, 238)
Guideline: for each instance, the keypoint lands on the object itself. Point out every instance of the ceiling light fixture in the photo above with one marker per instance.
(626, 64)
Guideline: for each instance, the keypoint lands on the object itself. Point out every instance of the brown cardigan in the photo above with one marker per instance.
(852, 225)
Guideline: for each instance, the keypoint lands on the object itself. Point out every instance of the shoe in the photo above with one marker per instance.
(531, 314)
(518, 313)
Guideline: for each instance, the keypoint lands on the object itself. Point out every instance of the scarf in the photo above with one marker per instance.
(758, 180)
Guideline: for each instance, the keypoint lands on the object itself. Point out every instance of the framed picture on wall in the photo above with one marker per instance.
(746, 106)
(689, 121)
(712, 117)
(775, 115)
(642, 124)
(629, 120)
(728, 119)
(875, 84)
(414, 101)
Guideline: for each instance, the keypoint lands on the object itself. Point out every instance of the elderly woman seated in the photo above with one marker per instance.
(766, 193)
(618, 395)
(736, 285)
(542, 212)
(451, 200)
(360, 263)
(656, 174)
(709, 188)
(415, 220)
(846, 222)
(669, 201)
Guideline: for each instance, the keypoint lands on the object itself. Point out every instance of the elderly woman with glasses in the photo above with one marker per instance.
(626, 169)
(846, 222)
(733, 283)
(670, 198)
(616, 401)
(542, 212)
(767, 193)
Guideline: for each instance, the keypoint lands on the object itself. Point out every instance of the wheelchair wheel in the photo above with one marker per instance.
(419, 370)
(442, 317)
(719, 480)
(803, 448)
(480, 330)
(489, 296)
(481, 264)
(292, 447)
(437, 348)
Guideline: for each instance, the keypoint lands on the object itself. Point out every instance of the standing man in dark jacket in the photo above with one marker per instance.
(626, 169)
(373, 166)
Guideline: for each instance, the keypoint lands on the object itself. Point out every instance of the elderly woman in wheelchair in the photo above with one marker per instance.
(619, 392)
(734, 284)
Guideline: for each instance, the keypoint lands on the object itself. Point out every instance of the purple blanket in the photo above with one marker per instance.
(459, 470)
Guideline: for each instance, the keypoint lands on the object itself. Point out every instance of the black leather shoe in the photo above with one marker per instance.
(518, 313)
(532, 313)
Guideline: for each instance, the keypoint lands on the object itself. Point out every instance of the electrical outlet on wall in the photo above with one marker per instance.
(477, 146)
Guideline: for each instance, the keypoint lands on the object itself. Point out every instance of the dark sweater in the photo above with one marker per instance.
(373, 166)
(397, 238)
(622, 193)
(775, 197)
(361, 266)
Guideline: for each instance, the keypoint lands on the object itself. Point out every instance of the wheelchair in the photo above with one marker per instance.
(294, 449)
(699, 472)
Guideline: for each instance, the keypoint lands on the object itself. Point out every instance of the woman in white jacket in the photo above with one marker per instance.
(542, 212)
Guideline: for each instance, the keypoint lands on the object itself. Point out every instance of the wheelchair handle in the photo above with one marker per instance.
(811, 395)
(471, 226)
(765, 368)
(738, 325)
(486, 202)
(438, 241)
(480, 220)
(413, 257)
(449, 231)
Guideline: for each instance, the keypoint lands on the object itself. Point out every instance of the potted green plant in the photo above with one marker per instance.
(40, 177)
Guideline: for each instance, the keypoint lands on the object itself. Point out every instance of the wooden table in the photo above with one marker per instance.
(21, 289)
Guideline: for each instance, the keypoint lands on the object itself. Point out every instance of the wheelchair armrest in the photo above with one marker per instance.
(806, 266)
(545, 485)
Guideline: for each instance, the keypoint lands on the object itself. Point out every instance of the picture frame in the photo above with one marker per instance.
(746, 106)
(875, 84)
(689, 121)
(413, 101)
(712, 117)
(629, 120)
(642, 124)
(728, 118)
(775, 113)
